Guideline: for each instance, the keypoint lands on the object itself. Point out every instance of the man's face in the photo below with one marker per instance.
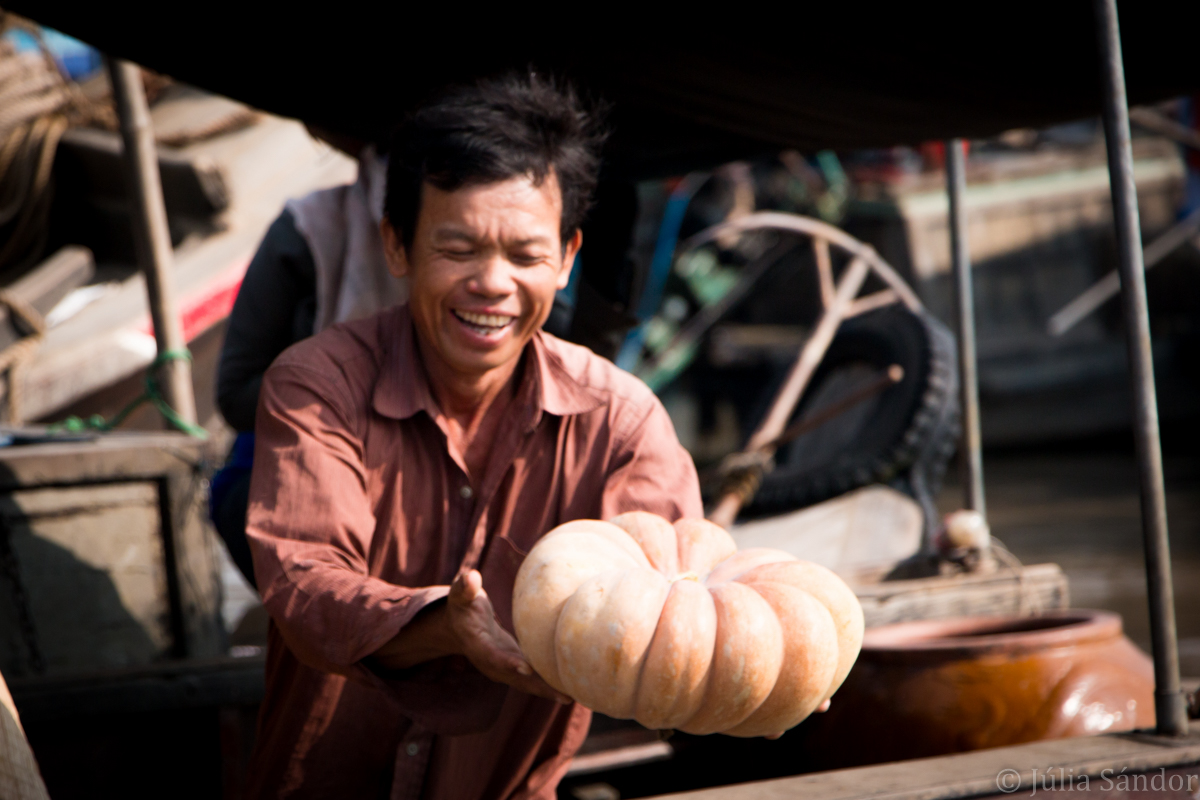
(483, 269)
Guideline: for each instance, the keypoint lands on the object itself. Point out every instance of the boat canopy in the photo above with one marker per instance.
(698, 91)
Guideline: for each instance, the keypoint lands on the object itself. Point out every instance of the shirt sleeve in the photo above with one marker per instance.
(650, 470)
(310, 525)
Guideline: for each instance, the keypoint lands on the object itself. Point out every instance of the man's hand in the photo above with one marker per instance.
(465, 625)
(492, 650)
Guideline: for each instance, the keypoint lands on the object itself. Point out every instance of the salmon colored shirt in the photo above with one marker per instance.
(361, 515)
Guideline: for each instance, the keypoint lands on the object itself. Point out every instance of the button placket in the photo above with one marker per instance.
(411, 763)
(504, 455)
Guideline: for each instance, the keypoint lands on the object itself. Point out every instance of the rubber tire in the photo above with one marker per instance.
(915, 420)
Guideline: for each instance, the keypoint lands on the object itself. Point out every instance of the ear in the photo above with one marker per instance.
(393, 249)
(569, 253)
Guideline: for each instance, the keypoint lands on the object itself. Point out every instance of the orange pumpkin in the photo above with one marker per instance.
(672, 626)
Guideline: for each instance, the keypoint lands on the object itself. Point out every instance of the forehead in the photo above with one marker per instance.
(513, 207)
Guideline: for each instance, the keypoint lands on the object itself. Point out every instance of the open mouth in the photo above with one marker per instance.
(483, 324)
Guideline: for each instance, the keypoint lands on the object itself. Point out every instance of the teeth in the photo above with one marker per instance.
(484, 320)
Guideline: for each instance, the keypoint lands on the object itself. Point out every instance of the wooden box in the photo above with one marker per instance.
(106, 560)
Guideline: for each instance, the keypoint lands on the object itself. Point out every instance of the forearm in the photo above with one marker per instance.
(427, 637)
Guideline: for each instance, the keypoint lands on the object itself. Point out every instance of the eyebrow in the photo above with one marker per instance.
(452, 235)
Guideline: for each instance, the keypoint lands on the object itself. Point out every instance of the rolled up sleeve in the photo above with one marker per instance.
(310, 525)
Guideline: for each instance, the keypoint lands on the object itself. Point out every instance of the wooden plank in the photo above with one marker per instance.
(1011, 215)
(114, 457)
(192, 185)
(620, 757)
(976, 773)
(46, 284)
(1024, 592)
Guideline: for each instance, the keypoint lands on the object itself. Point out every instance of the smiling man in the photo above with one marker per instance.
(405, 464)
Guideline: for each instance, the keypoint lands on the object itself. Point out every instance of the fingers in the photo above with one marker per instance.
(505, 660)
(506, 667)
(496, 654)
(538, 687)
(492, 650)
(532, 683)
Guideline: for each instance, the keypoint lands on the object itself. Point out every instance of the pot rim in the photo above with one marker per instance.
(972, 636)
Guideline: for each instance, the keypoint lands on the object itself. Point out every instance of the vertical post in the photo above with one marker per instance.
(172, 523)
(964, 295)
(1169, 706)
(151, 235)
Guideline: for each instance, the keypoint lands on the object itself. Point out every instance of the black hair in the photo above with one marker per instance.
(493, 130)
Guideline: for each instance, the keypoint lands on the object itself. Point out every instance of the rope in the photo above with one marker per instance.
(37, 105)
(152, 394)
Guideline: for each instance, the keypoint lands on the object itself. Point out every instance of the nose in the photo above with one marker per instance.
(494, 278)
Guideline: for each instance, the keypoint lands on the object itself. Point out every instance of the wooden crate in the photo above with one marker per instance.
(1020, 591)
(106, 560)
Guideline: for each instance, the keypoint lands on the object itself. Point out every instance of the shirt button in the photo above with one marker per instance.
(413, 748)
(465, 492)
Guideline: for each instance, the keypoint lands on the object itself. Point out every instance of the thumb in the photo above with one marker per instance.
(466, 587)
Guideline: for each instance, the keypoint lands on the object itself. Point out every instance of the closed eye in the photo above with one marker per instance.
(527, 260)
(457, 253)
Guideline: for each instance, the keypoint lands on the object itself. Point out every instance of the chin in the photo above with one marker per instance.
(481, 359)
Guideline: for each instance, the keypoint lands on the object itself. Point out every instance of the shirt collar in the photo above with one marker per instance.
(402, 388)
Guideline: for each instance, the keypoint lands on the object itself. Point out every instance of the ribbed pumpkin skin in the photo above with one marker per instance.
(672, 626)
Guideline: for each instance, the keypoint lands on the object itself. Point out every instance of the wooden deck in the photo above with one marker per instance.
(1000, 772)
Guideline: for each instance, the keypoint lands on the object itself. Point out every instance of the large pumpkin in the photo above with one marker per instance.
(674, 627)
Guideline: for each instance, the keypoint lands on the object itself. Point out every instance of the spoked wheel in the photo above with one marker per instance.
(877, 433)
(879, 439)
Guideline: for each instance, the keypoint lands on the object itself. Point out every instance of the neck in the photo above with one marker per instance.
(467, 397)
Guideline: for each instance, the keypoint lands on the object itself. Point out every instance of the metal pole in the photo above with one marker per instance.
(151, 235)
(1169, 706)
(964, 295)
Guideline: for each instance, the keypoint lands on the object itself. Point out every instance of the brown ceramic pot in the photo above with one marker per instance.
(930, 688)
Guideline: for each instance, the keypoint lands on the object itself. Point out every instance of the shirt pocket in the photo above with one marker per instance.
(499, 573)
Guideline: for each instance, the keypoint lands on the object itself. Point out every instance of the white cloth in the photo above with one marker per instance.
(341, 227)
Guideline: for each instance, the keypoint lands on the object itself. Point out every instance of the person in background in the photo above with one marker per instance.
(320, 262)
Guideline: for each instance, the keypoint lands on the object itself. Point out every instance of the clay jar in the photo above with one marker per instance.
(936, 687)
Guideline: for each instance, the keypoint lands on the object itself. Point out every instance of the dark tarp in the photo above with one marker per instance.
(846, 76)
